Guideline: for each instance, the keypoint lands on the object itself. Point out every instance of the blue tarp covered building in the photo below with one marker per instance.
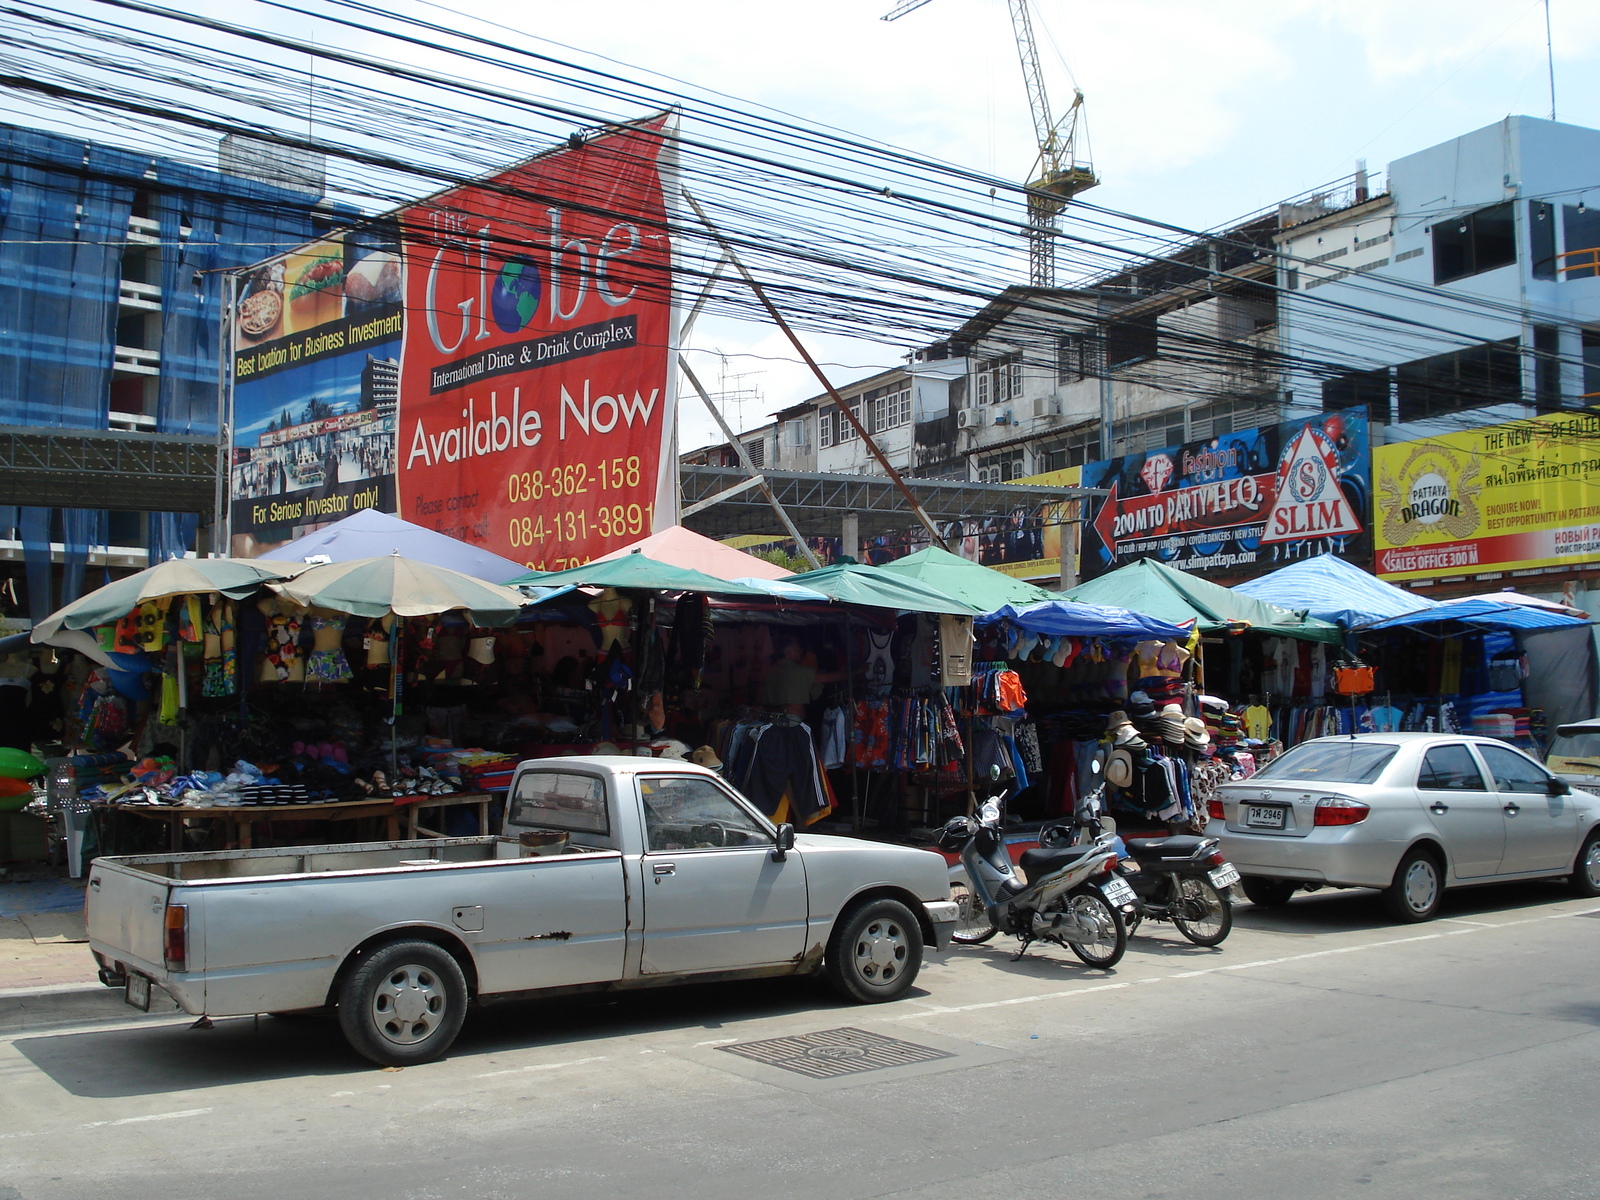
(65, 212)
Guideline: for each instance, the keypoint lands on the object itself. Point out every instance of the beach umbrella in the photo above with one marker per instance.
(231, 577)
(370, 533)
(405, 587)
(685, 548)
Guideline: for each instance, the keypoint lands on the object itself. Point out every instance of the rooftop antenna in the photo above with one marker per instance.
(1550, 59)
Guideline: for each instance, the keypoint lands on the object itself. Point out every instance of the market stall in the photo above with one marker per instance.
(1495, 664)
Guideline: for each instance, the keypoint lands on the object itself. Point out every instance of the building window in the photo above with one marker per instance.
(1358, 387)
(757, 450)
(1001, 468)
(1474, 243)
(1129, 342)
(1155, 432)
(1542, 238)
(890, 406)
(1228, 416)
(847, 431)
(1073, 452)
(825, 424)
(1580, 233)
(799, 432)
(1473, 378)
(1547, 366)
(998, 380)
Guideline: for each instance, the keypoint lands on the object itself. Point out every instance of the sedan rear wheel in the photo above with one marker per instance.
(1586, 870)
(1267, 893)
(1418, 887)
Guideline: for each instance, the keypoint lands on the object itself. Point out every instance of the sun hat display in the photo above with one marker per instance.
(705, 756)
(1119, 768)
(1195, 735)
(1172, 724)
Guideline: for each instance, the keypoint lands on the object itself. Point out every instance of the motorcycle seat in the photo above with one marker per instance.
(1178, 846)
(1036, 864)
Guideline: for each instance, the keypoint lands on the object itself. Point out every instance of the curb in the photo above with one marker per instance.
(24, 1009)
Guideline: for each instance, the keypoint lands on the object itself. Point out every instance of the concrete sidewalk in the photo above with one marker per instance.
(45, 950)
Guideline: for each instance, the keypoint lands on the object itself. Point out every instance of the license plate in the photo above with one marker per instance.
(136, 991)
(1117, 891)
(1265, 816)
(1224, 876)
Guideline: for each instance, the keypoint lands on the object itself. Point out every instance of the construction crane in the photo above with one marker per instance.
(1057, 175)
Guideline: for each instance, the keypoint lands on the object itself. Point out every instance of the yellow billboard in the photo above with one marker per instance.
(1503, 497)
(1042, 529)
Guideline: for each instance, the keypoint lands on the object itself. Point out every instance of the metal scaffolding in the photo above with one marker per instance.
(97, 468)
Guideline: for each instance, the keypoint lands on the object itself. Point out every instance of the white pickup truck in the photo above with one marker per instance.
(611, 872)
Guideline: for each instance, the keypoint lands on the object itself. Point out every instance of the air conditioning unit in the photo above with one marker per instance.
(969, 418)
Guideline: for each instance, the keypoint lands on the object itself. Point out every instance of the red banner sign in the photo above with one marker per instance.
(536, 415)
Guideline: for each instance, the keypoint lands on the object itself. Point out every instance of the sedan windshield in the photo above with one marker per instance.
(1331, 762)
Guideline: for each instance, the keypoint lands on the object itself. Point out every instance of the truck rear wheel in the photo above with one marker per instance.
(875, 952)
(403, 1004)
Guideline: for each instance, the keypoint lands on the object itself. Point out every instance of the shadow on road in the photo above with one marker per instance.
(1349, 910)
(176, 1058)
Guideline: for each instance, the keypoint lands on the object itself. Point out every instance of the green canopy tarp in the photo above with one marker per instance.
(639, 571)
(875, 587)
(982, 587)
(1157, 590)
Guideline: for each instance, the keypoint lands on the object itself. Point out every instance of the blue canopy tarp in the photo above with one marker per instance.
(1333, 590)
(371, 534)
(1067, 618)
(1483, 614)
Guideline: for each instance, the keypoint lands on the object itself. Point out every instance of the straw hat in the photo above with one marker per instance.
(1122, 731)
(1119, 768)
(1172, 724)
(1195, 735)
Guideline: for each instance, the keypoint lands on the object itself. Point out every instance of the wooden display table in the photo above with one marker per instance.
(243, 816)
(414, 804)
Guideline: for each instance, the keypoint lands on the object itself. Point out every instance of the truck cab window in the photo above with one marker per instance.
(560, 800)
(694, 814)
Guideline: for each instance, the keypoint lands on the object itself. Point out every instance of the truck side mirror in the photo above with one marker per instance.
(783, 843)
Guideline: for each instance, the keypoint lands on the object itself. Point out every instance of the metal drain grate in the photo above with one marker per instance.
(830, 1053)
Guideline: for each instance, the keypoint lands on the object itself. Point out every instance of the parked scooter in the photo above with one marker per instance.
(1074, 896)
(1182, 878)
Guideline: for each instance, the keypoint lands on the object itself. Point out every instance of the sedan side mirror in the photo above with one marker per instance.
(783, 843)
(1559, 787)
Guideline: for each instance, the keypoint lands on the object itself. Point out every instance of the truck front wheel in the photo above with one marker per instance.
(875, 952)
(403, 1004)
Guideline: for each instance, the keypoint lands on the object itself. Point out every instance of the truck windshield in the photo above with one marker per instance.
(1331, 762)
(560, 800)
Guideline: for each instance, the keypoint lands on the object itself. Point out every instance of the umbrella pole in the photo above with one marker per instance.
(850, 717)
(396, 676)
(183, 708)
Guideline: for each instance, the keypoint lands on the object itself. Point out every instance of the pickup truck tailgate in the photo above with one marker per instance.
(124, 913)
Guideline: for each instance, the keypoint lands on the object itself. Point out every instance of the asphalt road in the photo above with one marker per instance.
(1320, 1052)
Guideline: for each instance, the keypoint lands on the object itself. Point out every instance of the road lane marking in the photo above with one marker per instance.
(167, 1116)
(573, 1062)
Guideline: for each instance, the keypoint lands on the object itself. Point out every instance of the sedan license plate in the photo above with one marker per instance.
(136, 991)
(1262, 816)
(1117, 891)
(1224, 876)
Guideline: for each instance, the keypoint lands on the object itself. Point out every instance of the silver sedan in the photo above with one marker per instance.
(1409, 813)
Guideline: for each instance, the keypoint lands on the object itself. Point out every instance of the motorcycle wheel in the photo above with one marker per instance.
(1210, 929)
(973, 926)
(1108, 949)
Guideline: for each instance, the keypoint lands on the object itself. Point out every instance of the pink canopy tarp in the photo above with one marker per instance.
(685, 548)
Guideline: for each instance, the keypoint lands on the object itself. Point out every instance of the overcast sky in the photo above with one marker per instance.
(1197, 112)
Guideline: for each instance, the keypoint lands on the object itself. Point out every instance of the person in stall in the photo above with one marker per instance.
(792, 683)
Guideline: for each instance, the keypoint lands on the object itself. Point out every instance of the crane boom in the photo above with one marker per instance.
(1057, 175)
